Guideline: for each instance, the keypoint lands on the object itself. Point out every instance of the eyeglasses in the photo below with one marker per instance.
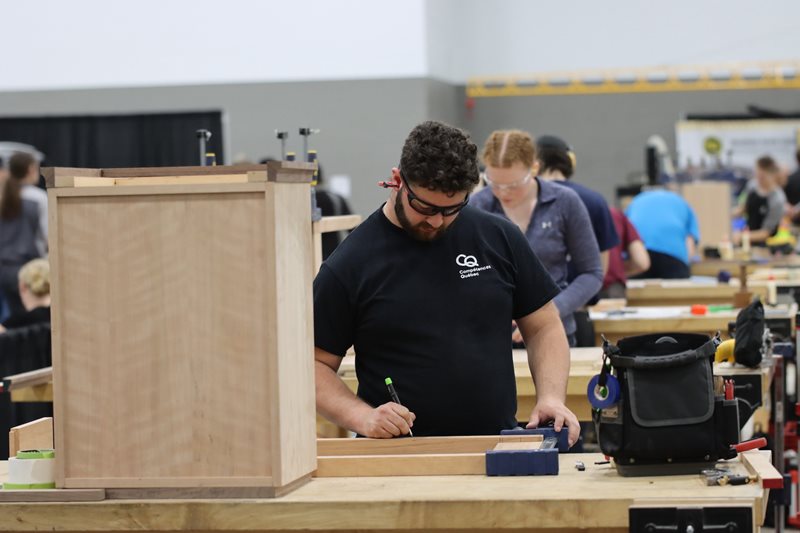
(507, 186)
(427, 209)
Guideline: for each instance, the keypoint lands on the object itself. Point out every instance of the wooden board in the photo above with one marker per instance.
(675, 319)
(594, 500)
(35, 435)
(37, 393)
(461, 464)
(417, 445)
(660, 293)
(52, 495)
(40, 376)
(711, 203)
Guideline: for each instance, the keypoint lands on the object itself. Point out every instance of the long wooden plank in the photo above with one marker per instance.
(182, 180)
(337, 223)
(53, 495)
(417, 445)
(34, 435)
(146, 172)
(401, 465)
(40, 376)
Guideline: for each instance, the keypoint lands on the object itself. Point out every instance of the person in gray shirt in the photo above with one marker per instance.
(23, 225)
(764, 202)
(553, 219)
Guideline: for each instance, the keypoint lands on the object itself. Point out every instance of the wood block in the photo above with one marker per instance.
(759, 463)
(63, 175)
(34, 435)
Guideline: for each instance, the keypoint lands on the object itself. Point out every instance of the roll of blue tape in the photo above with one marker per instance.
(603, 397)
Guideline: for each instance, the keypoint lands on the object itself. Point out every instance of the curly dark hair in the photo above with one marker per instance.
(440, 158)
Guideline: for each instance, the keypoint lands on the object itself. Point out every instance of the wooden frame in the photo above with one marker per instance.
(418, 456)
(168, 289)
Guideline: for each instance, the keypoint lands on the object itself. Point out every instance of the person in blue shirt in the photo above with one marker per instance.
(668, 227)
(558, 164)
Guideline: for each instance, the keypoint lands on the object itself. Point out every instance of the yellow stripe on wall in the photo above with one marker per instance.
(784, 75)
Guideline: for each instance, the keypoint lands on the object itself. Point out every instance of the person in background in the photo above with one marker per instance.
(627, 259)
(34, 291)
(23, 224)
(764, 203)
(668, 226)
(792, 187)
(331, 204)
(552, 218)
(558, 164)
(424, 291)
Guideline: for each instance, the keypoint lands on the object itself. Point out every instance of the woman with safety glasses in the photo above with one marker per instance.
(553, 218)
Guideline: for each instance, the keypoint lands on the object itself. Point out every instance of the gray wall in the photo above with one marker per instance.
(364, 122)
(608, 132)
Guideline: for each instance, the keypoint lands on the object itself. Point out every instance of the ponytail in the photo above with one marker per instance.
(11, 201)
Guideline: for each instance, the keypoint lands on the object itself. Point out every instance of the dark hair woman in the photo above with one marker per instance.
(23, 225)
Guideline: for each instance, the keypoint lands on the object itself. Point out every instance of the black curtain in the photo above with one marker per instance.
(109, 141)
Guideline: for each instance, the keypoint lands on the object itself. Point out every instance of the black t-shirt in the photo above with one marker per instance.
(433, 316)
(36, 315)
(792, 188)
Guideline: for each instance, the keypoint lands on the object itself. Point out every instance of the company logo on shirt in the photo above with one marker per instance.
(547, 224)
(473, 269)
(466, 260)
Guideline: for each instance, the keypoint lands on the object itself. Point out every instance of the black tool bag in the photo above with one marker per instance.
(667, 412)
(750, 327)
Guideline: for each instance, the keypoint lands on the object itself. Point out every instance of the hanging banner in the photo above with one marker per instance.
(736, 143)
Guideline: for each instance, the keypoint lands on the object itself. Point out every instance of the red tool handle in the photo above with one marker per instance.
(750, 445)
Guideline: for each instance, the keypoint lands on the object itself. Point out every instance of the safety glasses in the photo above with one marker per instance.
(507, 186)
(427, 209)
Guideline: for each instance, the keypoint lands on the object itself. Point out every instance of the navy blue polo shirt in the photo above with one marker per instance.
(599, 214)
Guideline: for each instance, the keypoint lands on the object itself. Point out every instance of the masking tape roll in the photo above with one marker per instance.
(39, 473)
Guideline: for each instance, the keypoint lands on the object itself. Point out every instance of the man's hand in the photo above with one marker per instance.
(516, 335)
(387, 421)
(555, 410)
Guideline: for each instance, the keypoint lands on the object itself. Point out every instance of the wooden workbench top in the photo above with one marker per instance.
(596, 498)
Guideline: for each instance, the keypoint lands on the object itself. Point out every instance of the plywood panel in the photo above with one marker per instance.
(711, 203)
(294, 285)
(164, 290)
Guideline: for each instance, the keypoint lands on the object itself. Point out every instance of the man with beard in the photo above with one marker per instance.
(425, 290)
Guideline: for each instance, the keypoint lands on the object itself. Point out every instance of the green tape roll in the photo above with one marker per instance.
(28, 486)
(36, 454)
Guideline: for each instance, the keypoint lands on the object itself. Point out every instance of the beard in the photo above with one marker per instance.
(420, 232)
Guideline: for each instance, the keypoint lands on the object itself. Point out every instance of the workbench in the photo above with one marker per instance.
(627, 321)
(594, 500)
(585, 363)
(712, 267)
(659, 292)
